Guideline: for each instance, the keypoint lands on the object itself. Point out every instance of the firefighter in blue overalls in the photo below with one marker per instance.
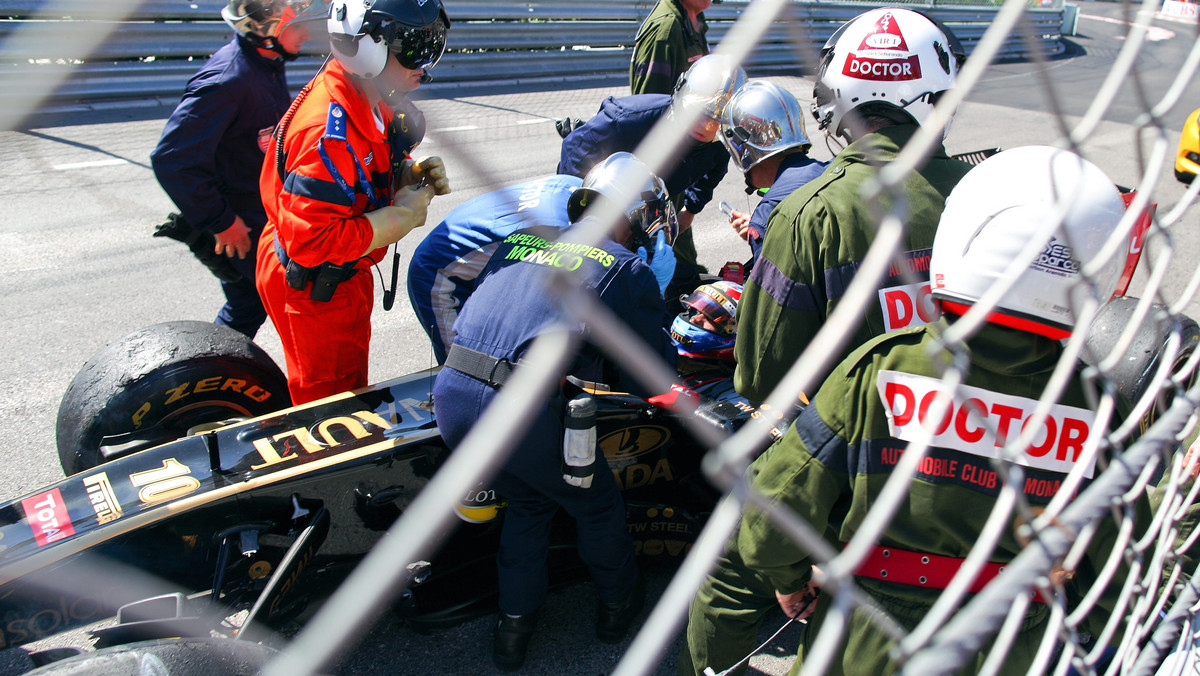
(694, 171)
(509, 308)
(447, 263)
(212, 147)
(763, 131)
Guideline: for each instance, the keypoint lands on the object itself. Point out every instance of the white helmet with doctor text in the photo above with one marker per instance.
(362, 33)
(1044, 205)
(890, 61)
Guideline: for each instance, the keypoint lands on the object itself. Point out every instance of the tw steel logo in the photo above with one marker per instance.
(632, 442)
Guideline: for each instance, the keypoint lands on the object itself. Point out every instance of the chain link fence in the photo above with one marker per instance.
(1156, 598)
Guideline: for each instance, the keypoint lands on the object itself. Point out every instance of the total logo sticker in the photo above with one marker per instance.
(48, 517)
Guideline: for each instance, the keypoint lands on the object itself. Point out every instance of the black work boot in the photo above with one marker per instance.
(511, 639)
(613, 619)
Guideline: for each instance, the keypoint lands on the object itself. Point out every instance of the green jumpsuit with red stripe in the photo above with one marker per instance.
(816, 239)
(833, 462)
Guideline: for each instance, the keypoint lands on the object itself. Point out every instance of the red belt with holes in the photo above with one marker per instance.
(922, 570)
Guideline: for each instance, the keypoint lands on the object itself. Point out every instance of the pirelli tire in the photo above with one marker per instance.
(156, 384)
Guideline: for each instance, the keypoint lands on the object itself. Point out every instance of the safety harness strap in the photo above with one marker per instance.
(923, 570)
(495, 371)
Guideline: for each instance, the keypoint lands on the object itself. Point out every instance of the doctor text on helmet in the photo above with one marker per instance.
(883, 70)
(982, 423)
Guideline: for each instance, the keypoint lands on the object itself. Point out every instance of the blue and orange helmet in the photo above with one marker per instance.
(707, 327)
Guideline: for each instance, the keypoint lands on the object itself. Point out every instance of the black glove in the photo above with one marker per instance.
(566, 125)
(202, 243)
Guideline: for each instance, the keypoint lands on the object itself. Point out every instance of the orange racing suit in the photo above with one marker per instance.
(338, 164)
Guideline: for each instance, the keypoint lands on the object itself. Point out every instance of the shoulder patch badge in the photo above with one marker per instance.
(335, 122)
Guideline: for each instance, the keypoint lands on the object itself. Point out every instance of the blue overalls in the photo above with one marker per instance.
(507, 311)
(211, 152)
(619, 126)
(794, 171)
(447, 263)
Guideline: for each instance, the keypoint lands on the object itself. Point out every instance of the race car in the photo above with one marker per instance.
(199, 504)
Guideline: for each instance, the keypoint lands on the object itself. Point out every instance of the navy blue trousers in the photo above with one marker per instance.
(531, 481)
(243, 310)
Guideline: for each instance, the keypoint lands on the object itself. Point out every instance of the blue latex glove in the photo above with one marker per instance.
(663, 261)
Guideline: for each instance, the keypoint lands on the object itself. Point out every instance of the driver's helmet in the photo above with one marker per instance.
(707, 327)
(761, 121)
(263, 21)
(885, 61)
(708, 84)
(623, 178)
(362, 34)
(1029, 219)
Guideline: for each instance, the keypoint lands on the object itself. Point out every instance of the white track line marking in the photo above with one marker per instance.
(88, 165)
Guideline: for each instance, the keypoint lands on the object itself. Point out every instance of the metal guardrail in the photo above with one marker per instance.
(161, 44)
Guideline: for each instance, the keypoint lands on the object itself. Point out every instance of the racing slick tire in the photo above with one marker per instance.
(173, 657)
(159, 382)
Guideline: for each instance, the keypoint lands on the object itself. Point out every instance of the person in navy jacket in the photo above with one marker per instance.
(212, 148)
(696, 167)
(764, 134)
(446, 264)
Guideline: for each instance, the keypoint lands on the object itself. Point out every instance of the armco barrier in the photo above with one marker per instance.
(151, 54)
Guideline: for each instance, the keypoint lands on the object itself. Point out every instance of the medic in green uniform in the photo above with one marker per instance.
(833, 462)
(819, 234)
(668, 42)
(815, 238)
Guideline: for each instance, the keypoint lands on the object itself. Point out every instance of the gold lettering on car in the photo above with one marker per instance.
(103, 498)
(168, 482)
(636, 476)
(354, 427)
(283, 446)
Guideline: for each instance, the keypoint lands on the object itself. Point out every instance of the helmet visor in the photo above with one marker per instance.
(719, 311)
(416, 48)
(268, 19)
(302, 11)
(657, 213)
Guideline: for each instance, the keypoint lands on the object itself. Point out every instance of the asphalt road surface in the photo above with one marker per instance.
(80, 269)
